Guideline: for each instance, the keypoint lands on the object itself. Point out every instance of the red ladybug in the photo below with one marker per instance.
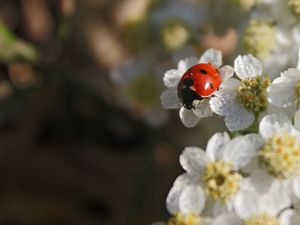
(200, 81)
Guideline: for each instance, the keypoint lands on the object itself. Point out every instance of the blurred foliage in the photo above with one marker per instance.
(14, 48)
(71, 152)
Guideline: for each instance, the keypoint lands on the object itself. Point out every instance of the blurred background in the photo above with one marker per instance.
(83, 137)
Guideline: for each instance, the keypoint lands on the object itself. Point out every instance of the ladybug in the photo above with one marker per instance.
(198, 82)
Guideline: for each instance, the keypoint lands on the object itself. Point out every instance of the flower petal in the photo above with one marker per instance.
(270, 196)
(192, 199)
(240, 150)
(289, 217)
(224, 102)
(296, 186)
(297, 120)
(245, 203)
(281, 94)
(172, 78)
(240, 119)
(247, 66)
(172, 202)
(283, 78)
(169, 99)
(218, 105)
(274, 123)
(259, 180)
(216, 144)
(226, 72)
(185, 179)
(212, 56)
(282, 90)
(288, 111)
(230, 84)
(202, 109)
(275, 200)
(251, 201)
(188, 117)
(227, 219)
(292, 75)
(185, 64)
(298, 64)
(219, 208)
(194, 160)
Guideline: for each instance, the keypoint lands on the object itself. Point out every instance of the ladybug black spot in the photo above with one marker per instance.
(188, 82)
(203, 71)
(211, 86)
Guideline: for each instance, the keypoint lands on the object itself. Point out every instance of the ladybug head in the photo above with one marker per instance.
(187, 94)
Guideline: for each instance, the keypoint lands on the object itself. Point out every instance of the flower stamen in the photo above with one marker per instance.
(221, 181)
(175, 35)
(252, 94)
(262, 219)
(260, 39)
(181, 219)
(281, 156)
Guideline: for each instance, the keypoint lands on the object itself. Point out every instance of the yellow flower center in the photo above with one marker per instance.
(294, 6)
(244, 4)
(252, 94)
(144, 89)
(175, 35)
(281, 156)
(221, 181)
(260, 39)
(262, 219)
(181, 219)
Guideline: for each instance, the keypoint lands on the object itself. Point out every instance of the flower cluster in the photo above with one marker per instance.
(249, 179)
(267, 29)
(172, 29)
(251, 176)
(279, 20)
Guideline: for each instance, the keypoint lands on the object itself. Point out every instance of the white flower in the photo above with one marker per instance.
(138, 88)
(213, 173)
(240, 101)
(254, 207)
(282, 30)
(268, 209)
(185, 201)
(285, 90)
(286, 217)
(279, 157)
(169, 98)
